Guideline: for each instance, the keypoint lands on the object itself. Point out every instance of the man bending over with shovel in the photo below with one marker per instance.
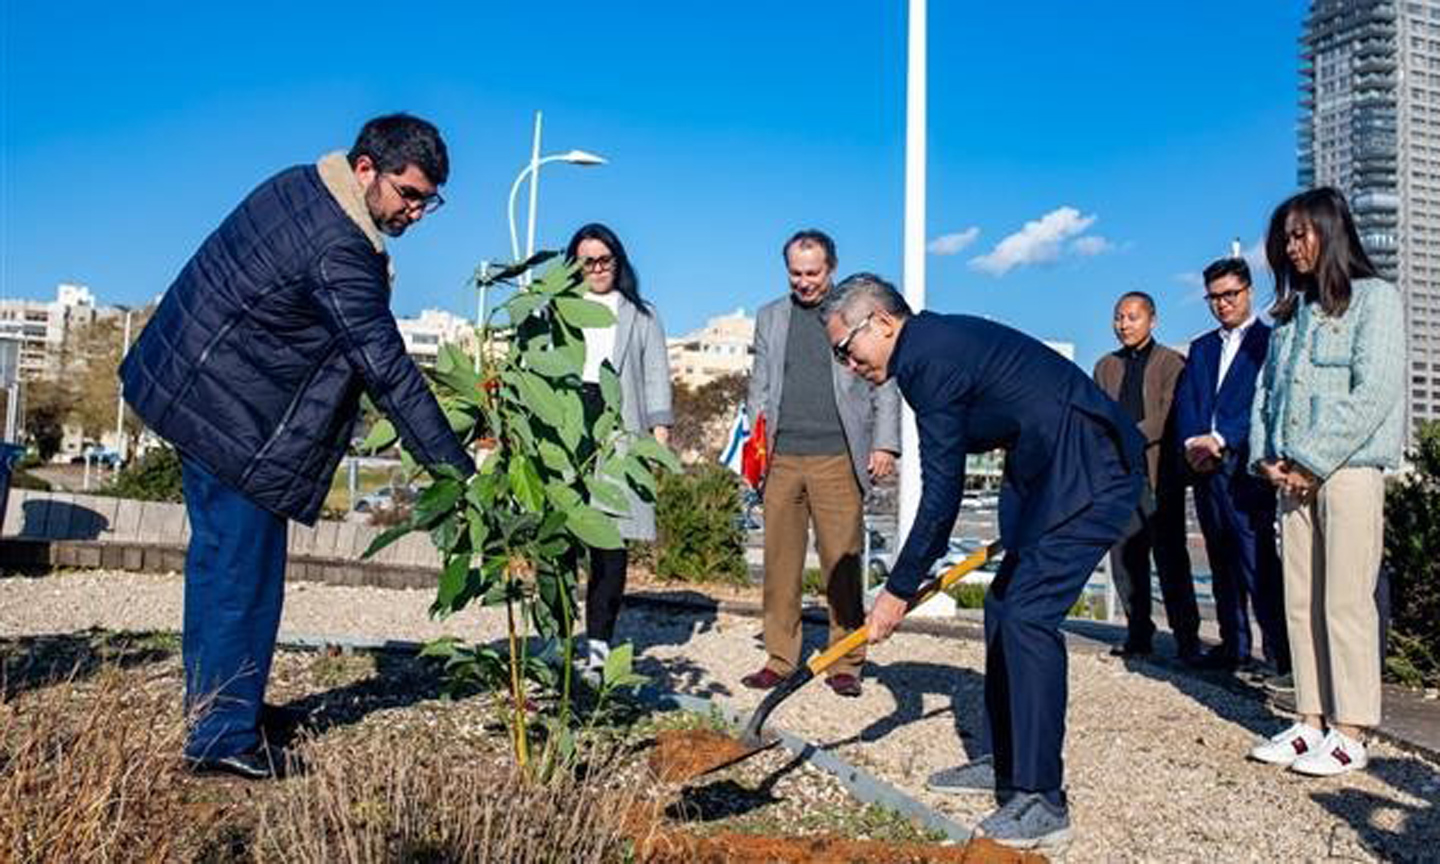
(1074, 473)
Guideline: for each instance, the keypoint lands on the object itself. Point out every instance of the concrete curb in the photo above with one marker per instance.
(862, 786)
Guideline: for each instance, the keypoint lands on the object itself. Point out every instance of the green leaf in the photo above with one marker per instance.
(540, 397)
(608, 495)
(437, 501)
(456, 370)
(593, 527)
(447, 534)
(445, 646)
(476, 528)
(552, 363)
(639, 476)
(452, 584)
(605, 426)
(646, 447)
(525, 483)
(555, 458)
(619, 668)
(522, 306)
(387, 537)
(461, 421)
(382, 435)
(583, 313)
(562, 496)
(610, 385)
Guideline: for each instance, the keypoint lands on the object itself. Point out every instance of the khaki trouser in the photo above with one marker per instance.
(799, 490)
(1332, 547)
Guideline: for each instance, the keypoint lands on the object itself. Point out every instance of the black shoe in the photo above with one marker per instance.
(1131, 650)
(265, 762)
(1189, 655)
(1218, 659)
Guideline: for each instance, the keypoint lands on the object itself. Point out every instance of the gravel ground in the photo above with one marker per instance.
(1154, 756)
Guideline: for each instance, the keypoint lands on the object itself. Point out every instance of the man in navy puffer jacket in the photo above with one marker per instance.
(253, 367)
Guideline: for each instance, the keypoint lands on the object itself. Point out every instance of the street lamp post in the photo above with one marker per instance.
(914, 271)
(532, 171)
(120, 395)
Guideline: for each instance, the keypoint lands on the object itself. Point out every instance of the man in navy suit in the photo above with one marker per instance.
(1074, 473)
(1236, 509)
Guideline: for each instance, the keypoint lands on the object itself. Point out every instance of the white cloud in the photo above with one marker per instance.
(1040, 240)
(1091, 244)
(950, 244)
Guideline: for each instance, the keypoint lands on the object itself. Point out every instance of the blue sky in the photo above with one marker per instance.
(130, 130)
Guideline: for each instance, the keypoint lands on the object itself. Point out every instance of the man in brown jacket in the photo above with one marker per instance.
(1141, 376)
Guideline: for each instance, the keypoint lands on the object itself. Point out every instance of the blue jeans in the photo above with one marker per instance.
(234, 588)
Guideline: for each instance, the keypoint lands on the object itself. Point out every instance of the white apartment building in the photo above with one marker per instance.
(41, 327)
(724, 346)
(434, 327)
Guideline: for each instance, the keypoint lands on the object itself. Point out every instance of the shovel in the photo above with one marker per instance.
(753, 741)
(807, 671)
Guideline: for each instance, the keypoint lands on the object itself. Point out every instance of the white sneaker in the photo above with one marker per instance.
(1283, 749)
(592, 665)
(1337, 754)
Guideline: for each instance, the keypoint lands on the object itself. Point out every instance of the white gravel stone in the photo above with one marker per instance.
(1154, 757)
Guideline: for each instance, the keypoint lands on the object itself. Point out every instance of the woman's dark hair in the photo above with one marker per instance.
(626, 282)
(1342, 259)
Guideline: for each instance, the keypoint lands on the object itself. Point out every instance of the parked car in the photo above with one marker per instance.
(97, 455)
(385, 498)
(882, 558)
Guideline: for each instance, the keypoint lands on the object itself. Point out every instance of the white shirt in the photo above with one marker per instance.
(1230, 341)
(600, 341)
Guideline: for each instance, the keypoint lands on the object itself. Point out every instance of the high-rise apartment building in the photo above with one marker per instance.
(1370, 126)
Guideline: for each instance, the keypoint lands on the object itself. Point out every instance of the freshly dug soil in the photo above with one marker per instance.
(672, 847)
(682, 754)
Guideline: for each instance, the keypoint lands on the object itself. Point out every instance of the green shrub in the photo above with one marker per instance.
(969, 595)
(699, 538)
(1412, 554)
(153, 477)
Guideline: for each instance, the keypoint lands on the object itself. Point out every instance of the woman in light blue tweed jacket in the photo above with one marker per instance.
(1328, 418)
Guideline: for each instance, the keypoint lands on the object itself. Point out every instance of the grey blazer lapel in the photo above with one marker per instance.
(779, 333)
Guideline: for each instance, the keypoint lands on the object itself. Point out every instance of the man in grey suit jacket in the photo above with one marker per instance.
(830, 434)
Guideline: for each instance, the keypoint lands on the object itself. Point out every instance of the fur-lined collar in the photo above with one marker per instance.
(339, 178)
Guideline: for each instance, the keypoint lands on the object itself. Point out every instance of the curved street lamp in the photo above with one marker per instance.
(532, 170)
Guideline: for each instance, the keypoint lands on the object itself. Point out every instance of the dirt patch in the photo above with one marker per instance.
(682, 754)
(671, 847)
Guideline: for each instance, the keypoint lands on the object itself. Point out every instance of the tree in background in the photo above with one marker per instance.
(1412, 553)
(47, 408)
(92, 368)
(703, 415)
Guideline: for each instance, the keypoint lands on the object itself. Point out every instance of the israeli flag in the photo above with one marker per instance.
(739, 431)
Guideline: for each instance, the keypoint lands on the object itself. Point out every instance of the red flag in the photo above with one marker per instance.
(754, 459)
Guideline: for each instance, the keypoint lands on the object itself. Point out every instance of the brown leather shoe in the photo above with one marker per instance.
(762, 680)
(845, 684)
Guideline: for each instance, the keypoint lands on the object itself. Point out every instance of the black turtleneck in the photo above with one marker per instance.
(1132, 386)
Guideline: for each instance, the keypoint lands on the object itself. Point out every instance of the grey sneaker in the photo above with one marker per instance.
(972, 778)
(1280, 683)
(1027, 821)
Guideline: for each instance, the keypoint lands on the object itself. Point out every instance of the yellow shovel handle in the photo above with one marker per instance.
(820, 662)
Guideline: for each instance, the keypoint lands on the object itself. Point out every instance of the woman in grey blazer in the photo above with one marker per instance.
(1327, 420)
(635, 346)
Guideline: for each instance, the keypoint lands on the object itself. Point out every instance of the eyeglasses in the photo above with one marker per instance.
(598, 264)
(1225, 297)
(841, 349)
(415, 198)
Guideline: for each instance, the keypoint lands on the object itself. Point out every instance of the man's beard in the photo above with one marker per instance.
(394, 226)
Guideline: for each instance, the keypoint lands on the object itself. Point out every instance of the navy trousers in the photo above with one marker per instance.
(1026, 669)
(1237, 517)
(234, 588)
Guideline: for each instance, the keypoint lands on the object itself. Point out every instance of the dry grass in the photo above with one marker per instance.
(396, 799)
(88, 774)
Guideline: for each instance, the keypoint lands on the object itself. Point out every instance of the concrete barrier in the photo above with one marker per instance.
(138, 525)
